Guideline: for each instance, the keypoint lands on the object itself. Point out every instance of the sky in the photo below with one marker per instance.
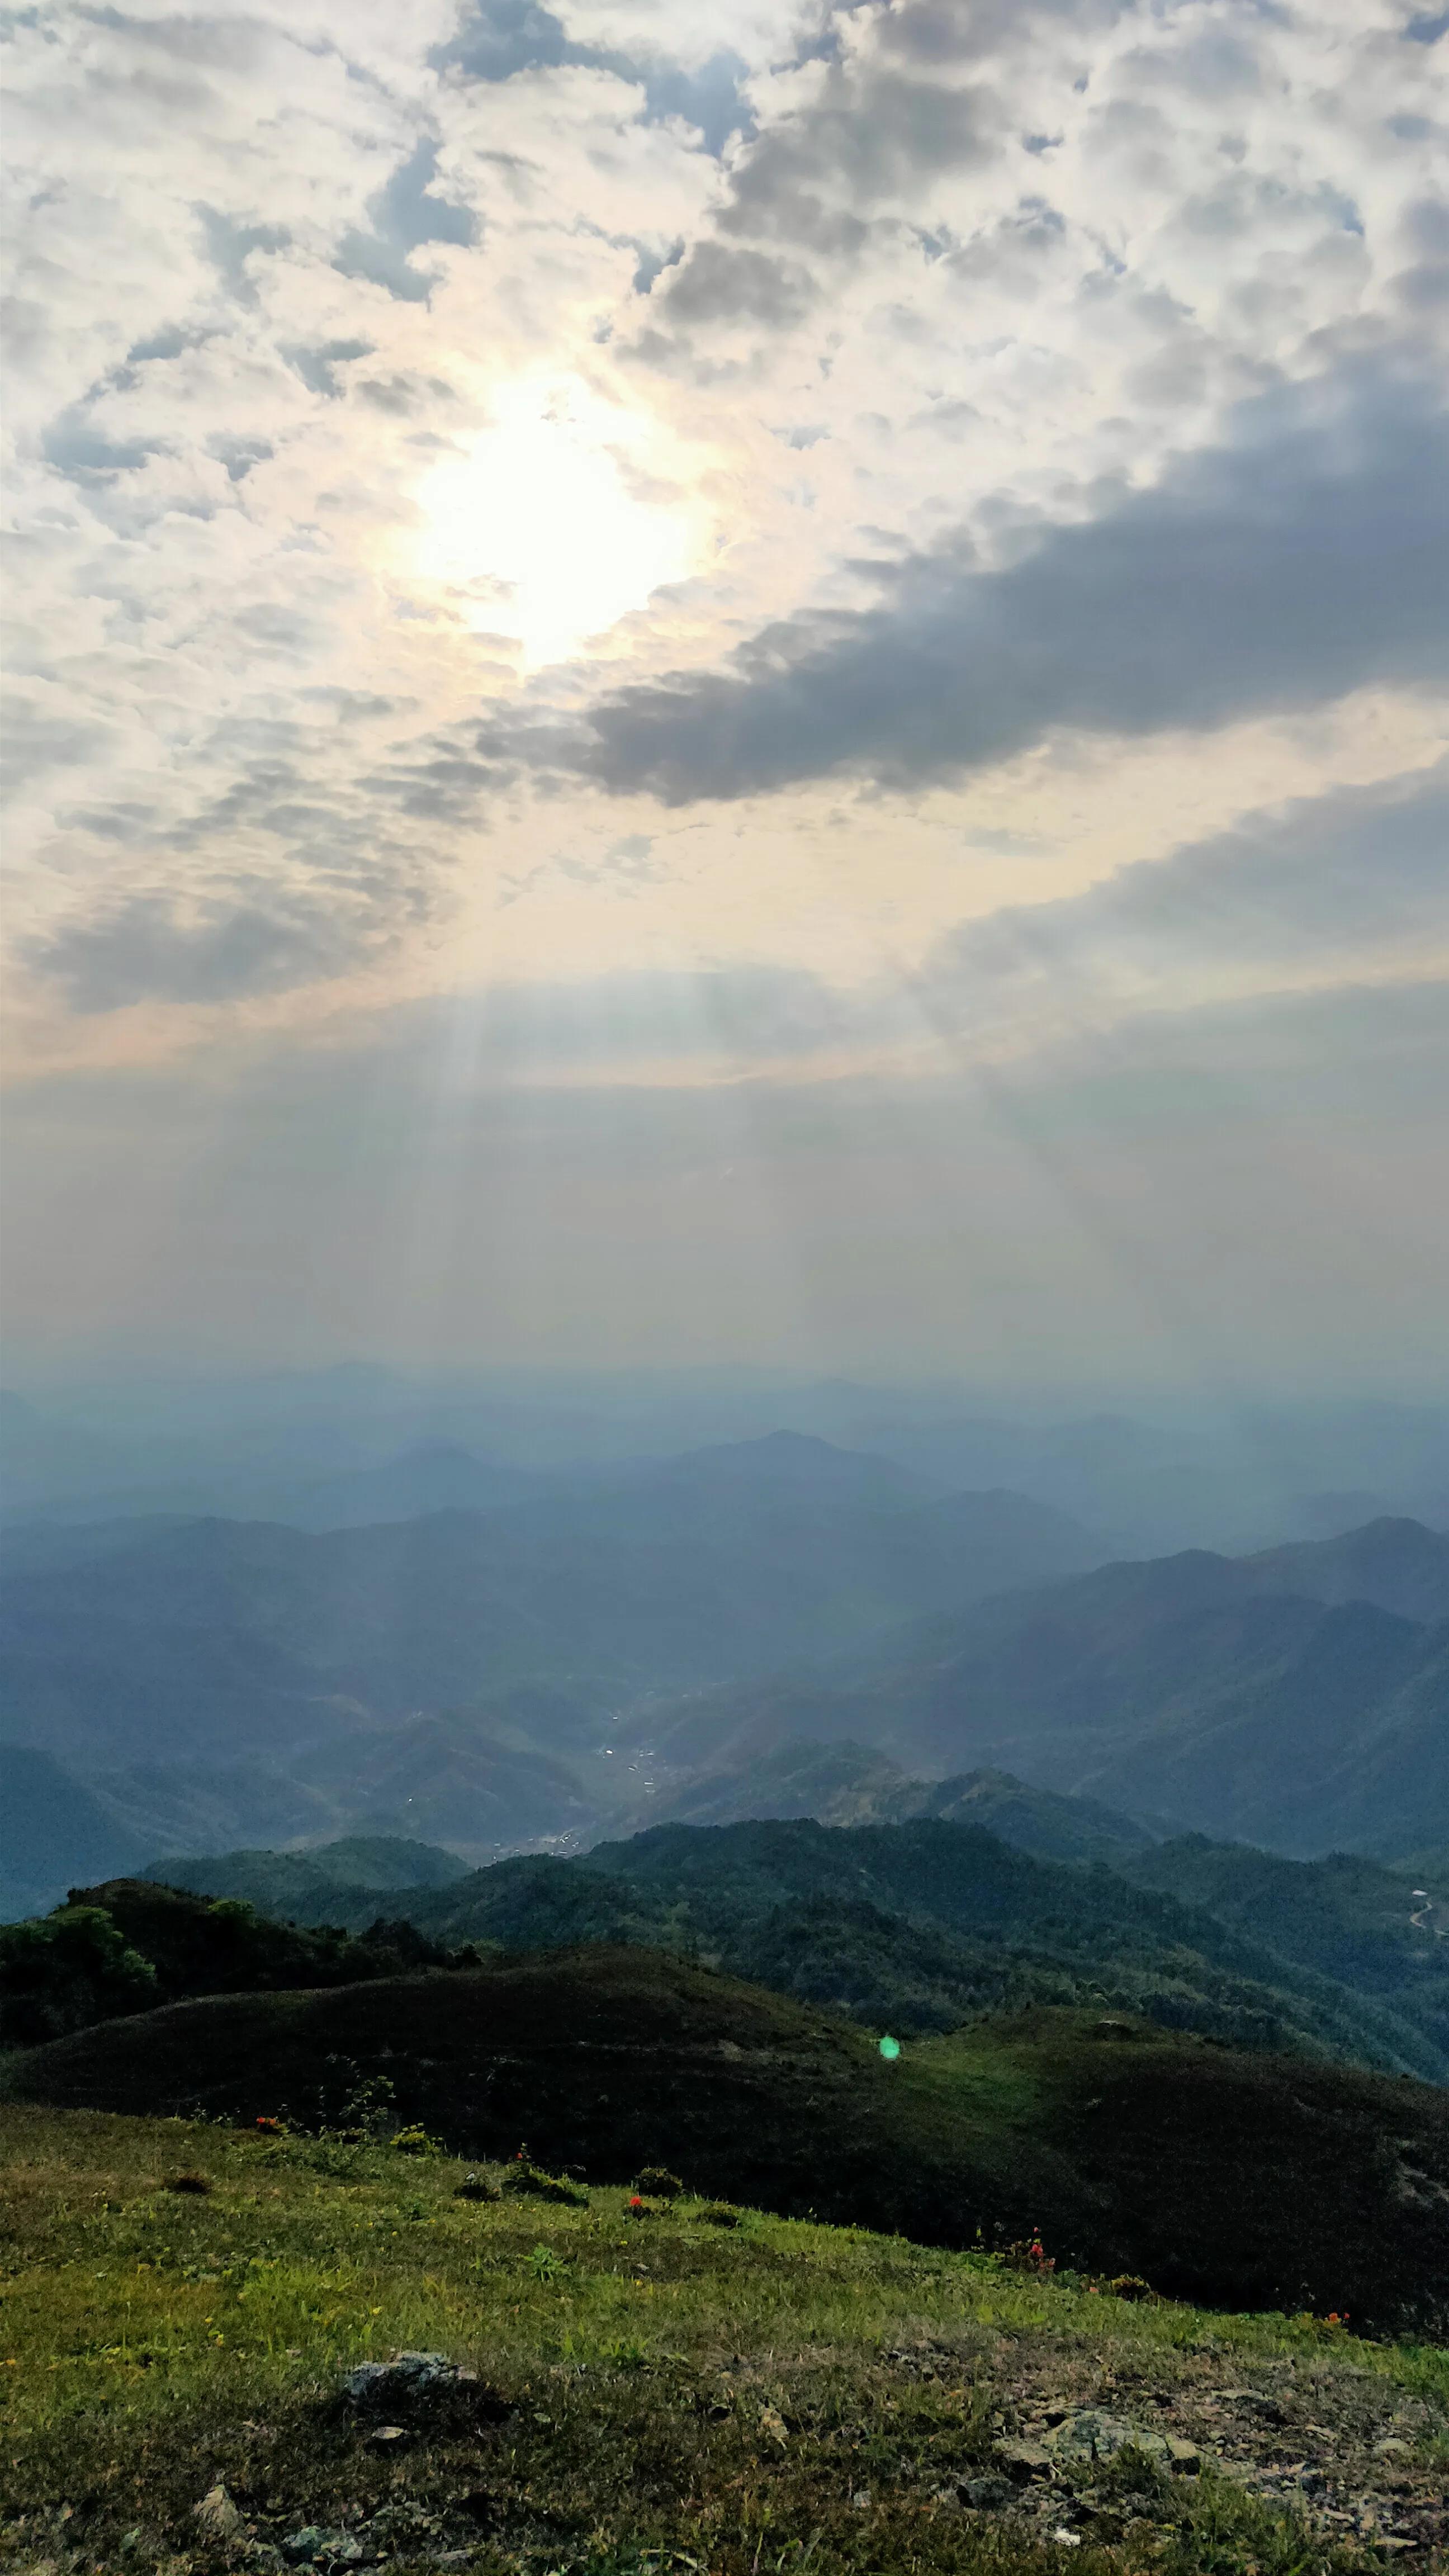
(718, 682)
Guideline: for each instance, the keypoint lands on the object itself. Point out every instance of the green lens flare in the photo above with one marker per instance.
(890, 2048)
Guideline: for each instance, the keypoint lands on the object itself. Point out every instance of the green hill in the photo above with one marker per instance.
(129, 1942)
(654, 2389)
(1347, 1917)
(307, 1887)
(924, 1924)
(920, 1925)
(1247, 2181)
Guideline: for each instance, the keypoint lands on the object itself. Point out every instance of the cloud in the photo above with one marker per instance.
(718, 283)
(221, 949)
(501, 38)
(1334, 889)
(78, 448)
(1306, 556)
(406, 215)
(230, 246)
(318, 366)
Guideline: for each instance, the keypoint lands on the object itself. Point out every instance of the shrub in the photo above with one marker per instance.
(415, 2141)
(197, 2182)
(538, 2185)
(476, 2187)
(1129, 2285)
(71, 1968)
(718, 2213)
(656, 2182)
(1028, 2254)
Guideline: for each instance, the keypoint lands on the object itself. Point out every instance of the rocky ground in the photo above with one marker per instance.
(1074, 2458)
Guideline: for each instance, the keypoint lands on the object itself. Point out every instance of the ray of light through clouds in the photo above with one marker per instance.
(726, 681)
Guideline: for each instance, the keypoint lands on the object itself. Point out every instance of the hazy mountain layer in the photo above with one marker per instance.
(1186, 1688)
(264, 1638)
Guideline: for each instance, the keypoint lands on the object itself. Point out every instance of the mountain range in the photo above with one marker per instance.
(672, 1641)
(1281, 1698)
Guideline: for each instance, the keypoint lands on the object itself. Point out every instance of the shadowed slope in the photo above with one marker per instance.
(1252, 2181)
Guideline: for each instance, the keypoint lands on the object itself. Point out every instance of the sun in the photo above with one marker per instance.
(545, 524)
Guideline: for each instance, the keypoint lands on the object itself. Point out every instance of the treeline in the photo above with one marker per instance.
(128, 1945)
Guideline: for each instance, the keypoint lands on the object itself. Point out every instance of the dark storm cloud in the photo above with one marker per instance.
(1307, 556)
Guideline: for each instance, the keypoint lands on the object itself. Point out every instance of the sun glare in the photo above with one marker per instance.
(537, 526)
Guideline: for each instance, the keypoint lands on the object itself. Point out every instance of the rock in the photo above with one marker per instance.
(1024, 2459)
(1093, 2435)
(987, 2495)
(385, 2435)
(313, 2546)
(216, 2517)
(1266, 2408)
(1394, 2449)
(411, 2375)
(418, 2391)
(1183, 2456)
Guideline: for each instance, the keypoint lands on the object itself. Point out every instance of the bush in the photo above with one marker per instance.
(1129, 2285)
(477, 2187)
(1028, 2254)
(656, 2182)
(415, 2141)
(538, 2185)
(72, 1968)
(718, 2213)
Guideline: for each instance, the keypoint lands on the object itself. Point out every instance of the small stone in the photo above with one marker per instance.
(1091, 2434)
(1394, 2449)
(988, 2495)
(1024, 2459)
(1185, 2457)
(386, 2434)
(410, 2373)
(861, 2499)
(1267, 2408)
(216, 2516)
(1067, 2539)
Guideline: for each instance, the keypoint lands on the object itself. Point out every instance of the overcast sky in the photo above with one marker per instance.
(692, 680)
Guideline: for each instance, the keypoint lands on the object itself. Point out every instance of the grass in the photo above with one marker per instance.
(1235, 2179)
(732, 2400)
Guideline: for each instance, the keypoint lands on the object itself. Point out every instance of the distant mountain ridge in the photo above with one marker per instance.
(1186, 1688)
(735, 1560)
(536, 1674)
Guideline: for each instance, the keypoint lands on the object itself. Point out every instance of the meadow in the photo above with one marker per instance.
(668, 2385)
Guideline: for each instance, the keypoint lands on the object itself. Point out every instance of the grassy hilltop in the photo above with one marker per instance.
(1249, 2180)
(679, 2388)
